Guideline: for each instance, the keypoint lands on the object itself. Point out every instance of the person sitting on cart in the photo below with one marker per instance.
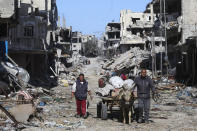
(115, 72)
(107, 76)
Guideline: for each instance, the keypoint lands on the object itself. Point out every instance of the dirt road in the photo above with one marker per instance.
(167, 117)
(170, 115)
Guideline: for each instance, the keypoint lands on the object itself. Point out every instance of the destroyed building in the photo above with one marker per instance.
(76, 47)
(63, 38)
(112, 39)
(29, 27)
(135, 28)
(172, 17)
(86, 38)
(167, 28)
(188, 48)
(179, 21)
(76, 42)
(101, 47)
(89, 43)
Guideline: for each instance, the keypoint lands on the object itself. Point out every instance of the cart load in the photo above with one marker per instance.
(114, 86)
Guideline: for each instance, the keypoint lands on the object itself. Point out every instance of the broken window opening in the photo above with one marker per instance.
(4, 30)
(56, 38)
(111, 44)
(66, 36)
(74, 40)
(137, 31)
(134, 20)
(114, 35)
(149, 18)
(80, 40)
(29, 31)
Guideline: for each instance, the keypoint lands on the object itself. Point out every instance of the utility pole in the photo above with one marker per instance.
(161, 35)
(196, 33)
(166, 42)
(153, 54)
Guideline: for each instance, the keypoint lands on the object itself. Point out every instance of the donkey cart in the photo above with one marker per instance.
(107, 104)
(110, 105)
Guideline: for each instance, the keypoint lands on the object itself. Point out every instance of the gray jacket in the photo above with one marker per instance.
(144, 85)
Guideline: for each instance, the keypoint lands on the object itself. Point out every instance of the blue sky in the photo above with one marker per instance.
(91, 16)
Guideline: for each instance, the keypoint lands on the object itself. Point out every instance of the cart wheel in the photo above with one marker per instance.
(104, 112)
(99, 106)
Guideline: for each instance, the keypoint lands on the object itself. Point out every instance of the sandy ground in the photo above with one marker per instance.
(168, 118)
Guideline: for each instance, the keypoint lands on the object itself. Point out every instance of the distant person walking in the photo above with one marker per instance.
(79, 91)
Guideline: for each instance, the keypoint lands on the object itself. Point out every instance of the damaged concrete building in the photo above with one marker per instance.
(135, 28)
(112, 39)
(76, 42)
(187, 62)
(76, 47)
(167, 28)
(86, 38)
(63, 37)
(101, 46)
(179, 20)
(89, 43)
(29, 27)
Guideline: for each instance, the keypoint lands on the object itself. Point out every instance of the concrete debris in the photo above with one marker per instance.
(70, 76)
(34, 104)
(4, 88)
(170, 86)
(14, 74)
(130, 59)
(22, 112)
(67, 125)
(188, 92)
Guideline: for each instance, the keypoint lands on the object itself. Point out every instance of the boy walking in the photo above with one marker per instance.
(80, 90)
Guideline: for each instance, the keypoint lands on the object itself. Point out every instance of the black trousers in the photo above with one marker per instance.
(144, 108)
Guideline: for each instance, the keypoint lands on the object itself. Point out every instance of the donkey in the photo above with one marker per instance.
(126, 98)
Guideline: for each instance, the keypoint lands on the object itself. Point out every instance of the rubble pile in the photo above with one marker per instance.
(31, 106)
(46, 109)
(69, 77)
(183, 95)
(131, 59)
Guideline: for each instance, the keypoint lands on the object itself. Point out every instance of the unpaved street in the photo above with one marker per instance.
(170, 115)
(177, 118)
